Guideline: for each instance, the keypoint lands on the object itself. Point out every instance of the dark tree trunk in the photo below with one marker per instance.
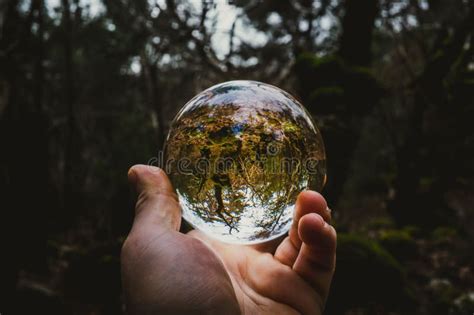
(71, 199)
(24, 162)
(355, 51)
(11, 262)
(410, 206)
(357, 26)
(39, 68)
(154, 97)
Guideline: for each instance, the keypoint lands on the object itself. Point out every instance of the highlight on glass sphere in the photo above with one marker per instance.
(238, 155)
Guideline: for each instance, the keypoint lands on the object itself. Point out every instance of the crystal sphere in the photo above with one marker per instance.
(238, 154)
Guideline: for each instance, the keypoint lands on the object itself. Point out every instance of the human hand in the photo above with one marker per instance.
(167, 272)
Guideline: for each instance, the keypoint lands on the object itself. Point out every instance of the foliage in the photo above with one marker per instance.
(399, 243)
(88, 89)
(364, 263)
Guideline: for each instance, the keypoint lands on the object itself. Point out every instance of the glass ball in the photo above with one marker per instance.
(238, 154)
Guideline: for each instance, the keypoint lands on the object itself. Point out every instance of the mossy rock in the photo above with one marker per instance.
(327, 92)
(413, 230)
(444, 235)
(400, 243)
(442, 294)
(316, 72)
(328, 61)
(367, 275)
(464, 304)
(329, 85)
(93, 276)
(32, 298)
(380, 223)
(331, 99)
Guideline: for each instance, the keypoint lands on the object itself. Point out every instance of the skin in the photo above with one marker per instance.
(168, 272)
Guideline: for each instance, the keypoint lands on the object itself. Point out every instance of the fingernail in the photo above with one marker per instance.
(132, 176)
(154, 169)
(319, 218)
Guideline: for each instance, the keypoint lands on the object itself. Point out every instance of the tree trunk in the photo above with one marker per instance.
(355, 51)
(71, 199)
(39, 69)
(154, 99)
(409, 206)
(357, 26)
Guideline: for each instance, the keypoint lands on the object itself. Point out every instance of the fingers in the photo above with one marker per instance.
(317, 256)
(279, 283)
(157, 202)
(286, 253)
(307, 202)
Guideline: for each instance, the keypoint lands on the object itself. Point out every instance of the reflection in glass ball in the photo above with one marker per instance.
(238, 154)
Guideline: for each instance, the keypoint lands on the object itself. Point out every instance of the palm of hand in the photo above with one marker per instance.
(167, 272)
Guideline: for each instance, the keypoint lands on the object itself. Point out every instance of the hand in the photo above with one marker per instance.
(167, 272)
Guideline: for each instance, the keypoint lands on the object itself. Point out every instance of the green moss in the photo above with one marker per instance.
(363, 263)
(413, 230)
(443, 294)
(437, 55)
(425, 183)
(380, 223)
(326, 92)
(315, 71)
(361, 72)
(366, 248)
(464, 304)
(399, 243)
(316, 62)
(361, 78)
(395, 235)
(444, 235)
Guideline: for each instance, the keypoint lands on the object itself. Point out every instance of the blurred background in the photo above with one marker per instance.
(89, 87)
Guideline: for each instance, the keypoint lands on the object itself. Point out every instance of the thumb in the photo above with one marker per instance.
(157, 202)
